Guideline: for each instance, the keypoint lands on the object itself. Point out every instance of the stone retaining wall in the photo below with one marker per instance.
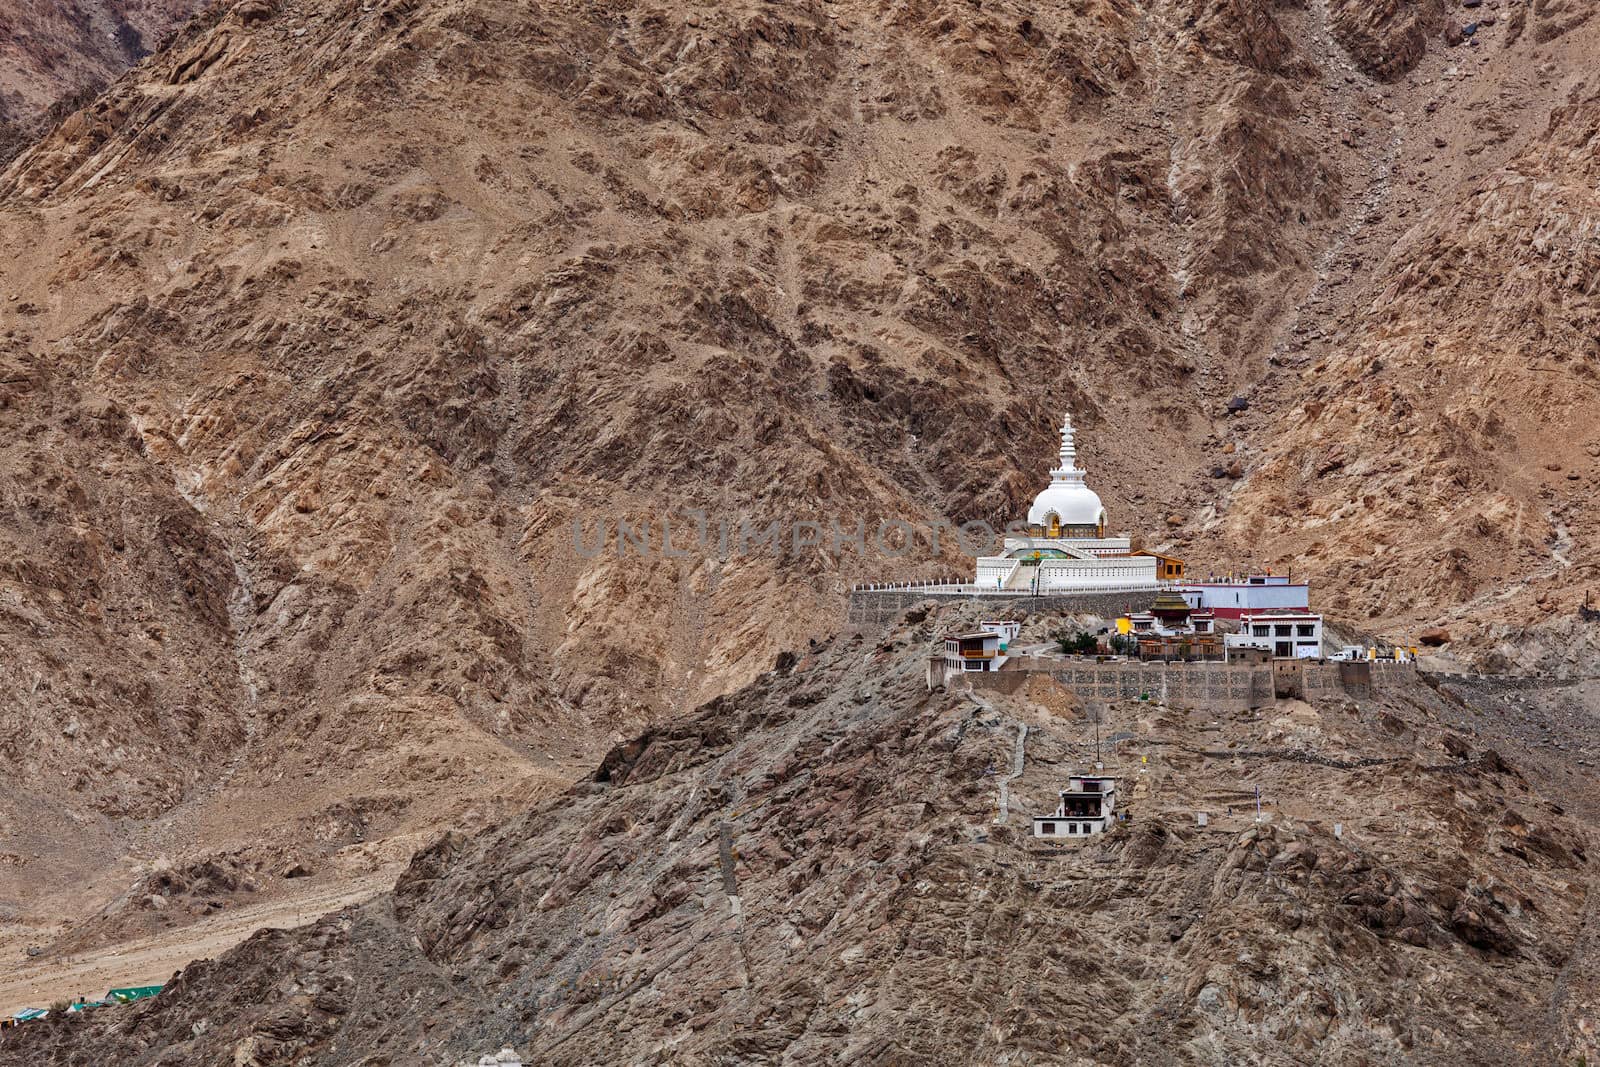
(1234, 686)
(1503, 682)
(879, 608)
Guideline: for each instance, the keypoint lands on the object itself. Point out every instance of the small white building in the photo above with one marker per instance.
(1141, 622)
(1088, 805)
(1281, 634)
(980, 650)
(984, 649)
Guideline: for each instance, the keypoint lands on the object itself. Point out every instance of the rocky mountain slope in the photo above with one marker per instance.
(58, 54)
(811, 869)
(320, 329)
(1436, 444)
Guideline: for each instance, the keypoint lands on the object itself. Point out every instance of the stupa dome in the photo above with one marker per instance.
(1072, 505)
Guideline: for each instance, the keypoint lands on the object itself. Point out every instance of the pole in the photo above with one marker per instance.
(1258, 803)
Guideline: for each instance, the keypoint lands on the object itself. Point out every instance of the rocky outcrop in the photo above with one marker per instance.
(56, 56)
(736, 262)
(810, 869)
(1458, 410)
(338, 318)
(1389, 37)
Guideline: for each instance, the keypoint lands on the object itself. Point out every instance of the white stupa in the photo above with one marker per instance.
(1067, 504)
(1065, 549)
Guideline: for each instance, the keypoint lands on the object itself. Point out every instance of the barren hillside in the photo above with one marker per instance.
(320, 328)
(58, 54)
(810, 870)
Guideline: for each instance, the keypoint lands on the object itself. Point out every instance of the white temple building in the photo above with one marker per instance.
(1088, 806)
(1066, 549)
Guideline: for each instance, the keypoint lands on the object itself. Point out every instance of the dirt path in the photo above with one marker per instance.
(148, 961)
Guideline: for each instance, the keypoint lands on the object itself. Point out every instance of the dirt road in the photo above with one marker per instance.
(147, 961)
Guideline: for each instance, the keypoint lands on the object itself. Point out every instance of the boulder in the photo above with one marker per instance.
(1434, 637)
(1494, 763)
(1480, 926)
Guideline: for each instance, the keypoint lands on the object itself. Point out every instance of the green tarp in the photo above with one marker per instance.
(132, 993)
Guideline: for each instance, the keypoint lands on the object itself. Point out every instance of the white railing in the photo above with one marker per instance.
(968, 589)
(953, 584)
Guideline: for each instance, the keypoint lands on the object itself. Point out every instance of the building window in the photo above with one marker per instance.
(1283, 629)
(1047, 829)
(1306, 629)
(1261, 631)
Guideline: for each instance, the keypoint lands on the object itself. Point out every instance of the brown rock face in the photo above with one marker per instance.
(57, 55)
(1464, 389)
(744, 261)
(1388, 38)
(811, 869)
(323, 328)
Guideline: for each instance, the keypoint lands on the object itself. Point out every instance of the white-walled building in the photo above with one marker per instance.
(1282, 634)
(980, 650)
(985, 649)
(1088, 806)
(1066, 549)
